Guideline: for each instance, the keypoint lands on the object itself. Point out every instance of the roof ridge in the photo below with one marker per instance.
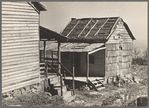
(93, 18)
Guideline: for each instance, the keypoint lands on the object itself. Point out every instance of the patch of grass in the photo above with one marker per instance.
(41, 99)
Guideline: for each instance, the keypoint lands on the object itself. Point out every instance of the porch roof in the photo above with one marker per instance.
(76, 47)
(46, 34)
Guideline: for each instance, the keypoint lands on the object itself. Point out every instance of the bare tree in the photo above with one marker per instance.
(136, 52)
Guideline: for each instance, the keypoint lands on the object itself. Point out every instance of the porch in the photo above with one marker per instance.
(83, 79)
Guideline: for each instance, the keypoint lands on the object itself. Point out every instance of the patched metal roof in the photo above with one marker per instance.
(91, 29)
(75, 47)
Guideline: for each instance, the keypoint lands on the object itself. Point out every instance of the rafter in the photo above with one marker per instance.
(101, 26)
(85, 27)
(91, 29)
(73, 28)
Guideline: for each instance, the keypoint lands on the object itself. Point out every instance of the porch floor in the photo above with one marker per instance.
(83, 79)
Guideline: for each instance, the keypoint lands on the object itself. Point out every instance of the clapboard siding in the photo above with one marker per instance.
(16, 64)
(15, 9)
(118, 61)
(20, 78)
(18, 40)
(19, 36)
(7, 45)
(4, 59)
(20, 51)
(20, 68)
(20, 20)
(20, 45)
(19, 85)
(21, 61)
(18, 25)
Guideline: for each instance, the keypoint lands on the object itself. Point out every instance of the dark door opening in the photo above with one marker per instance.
(77, 63)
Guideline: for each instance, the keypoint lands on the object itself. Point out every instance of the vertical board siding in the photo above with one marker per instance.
(118, 52)
(20, 45)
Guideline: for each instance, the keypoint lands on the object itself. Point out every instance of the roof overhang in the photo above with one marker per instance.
(129, 31)
(87, 40)
(77, 47)
(91, 52)
(48, 35)
(39, 6)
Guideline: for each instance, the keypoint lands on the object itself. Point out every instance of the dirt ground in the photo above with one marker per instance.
(110, 96)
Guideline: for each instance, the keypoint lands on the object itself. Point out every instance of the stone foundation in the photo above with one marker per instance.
(22, 91)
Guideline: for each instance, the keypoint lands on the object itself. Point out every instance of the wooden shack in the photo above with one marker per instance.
(20, 44)
(111, 59)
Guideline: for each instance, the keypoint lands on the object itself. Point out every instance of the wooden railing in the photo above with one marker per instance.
(66, 70)
(73, 83)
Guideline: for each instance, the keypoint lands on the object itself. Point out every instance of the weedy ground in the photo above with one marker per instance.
(105, 97)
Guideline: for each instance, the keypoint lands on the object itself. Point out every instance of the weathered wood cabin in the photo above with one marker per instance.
(20, 44)
(102, 47)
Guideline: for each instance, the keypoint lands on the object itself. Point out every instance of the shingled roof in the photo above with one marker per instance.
(91, 29)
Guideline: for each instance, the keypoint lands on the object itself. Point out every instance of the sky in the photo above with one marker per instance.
(59, 14)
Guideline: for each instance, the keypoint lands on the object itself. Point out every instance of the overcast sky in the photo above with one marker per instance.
(59, 14)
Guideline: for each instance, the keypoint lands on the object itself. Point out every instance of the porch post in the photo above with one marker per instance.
(46, 85)
(73, 75)
(52, 57)
(87, 67)
(45, 58)
(59, 67)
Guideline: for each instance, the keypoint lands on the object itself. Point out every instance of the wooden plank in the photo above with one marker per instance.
(17, 45)
(20, 56)
(13, 60)
(19, 25)
(20, 85)
(25, 9)
(20, 16)
(11, 64)
(18, 13)
(101, 27)
(22, 68)
(19, 79)
(17, 7)
(20, 22)
(32, 71)
(25, 4)
(17, 32)
(12, 72)
(19, 28)
(112, 41)
(21, 19)
(18, 65)
(27, 49)
(20, 35)
(91, 29)
(29, 42)
(73, 28)
(19, 53)
(19, 40)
